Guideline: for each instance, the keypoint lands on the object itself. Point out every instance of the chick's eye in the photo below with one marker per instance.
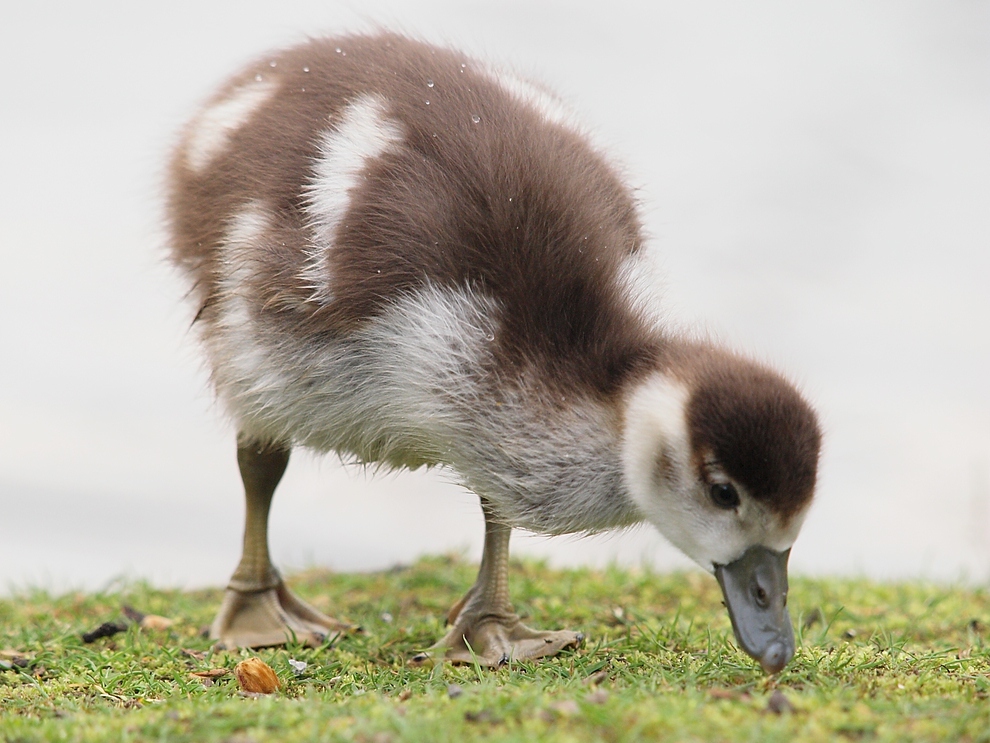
(724, 495)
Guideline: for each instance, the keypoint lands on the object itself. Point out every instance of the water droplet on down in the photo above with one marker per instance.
(475, 118)
(429, 83)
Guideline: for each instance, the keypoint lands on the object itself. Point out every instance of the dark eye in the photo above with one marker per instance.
(724, 495)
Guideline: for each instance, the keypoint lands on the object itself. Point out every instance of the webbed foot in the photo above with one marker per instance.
(495, 639)
(271, 616)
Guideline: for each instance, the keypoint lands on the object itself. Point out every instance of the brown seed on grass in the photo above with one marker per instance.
(155, 622)
(255, 676)
(147, 621)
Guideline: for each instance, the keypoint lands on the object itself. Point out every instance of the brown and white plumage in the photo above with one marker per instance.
(408, 258)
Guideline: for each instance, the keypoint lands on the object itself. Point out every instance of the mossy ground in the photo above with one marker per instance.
(876, 662)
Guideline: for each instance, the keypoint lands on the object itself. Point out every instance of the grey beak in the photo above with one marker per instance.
(755, 590)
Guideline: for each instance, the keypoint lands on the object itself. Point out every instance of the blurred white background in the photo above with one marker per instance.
(814, 176)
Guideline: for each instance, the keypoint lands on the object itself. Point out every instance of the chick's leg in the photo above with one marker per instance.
(485, 627)
(258, 609)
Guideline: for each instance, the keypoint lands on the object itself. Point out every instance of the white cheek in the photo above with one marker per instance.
(726, 538)
(707, 535)
(731, 534)
(782, 538)
(655, 422)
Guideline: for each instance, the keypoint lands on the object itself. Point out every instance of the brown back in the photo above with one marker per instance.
(482, 193)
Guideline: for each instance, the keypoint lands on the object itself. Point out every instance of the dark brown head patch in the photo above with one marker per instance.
(759, 429)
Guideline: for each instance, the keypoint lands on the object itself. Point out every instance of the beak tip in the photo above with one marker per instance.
(775, 657)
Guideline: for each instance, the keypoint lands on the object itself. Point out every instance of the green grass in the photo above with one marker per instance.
(876, 662)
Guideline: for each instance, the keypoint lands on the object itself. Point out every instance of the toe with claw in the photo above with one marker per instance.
(494, 641)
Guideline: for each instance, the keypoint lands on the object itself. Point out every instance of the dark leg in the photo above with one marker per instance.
(485, 626)
(258, 609)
